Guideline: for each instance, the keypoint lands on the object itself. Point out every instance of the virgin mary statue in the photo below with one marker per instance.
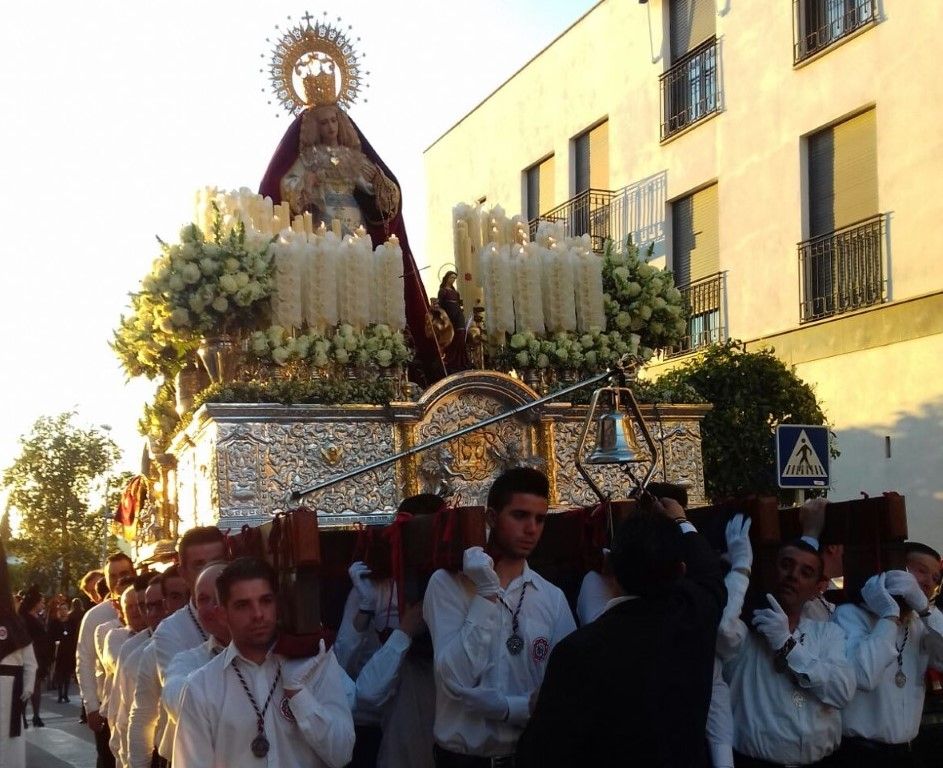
(325, 165)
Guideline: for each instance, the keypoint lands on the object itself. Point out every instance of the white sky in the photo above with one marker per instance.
(112, 113)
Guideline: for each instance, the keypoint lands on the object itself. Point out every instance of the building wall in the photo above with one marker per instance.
(607, 66)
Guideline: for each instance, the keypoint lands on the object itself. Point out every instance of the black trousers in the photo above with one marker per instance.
(863, 753)
(105, 758)
(366, 747)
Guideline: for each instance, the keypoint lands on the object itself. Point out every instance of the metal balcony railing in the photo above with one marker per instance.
(690, 90)
(817, 24)
(706, 301)
(589, 212)
(636, 211)
(843, 270)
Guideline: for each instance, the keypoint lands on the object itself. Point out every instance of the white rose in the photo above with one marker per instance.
(228, 283)
(180, 317)
(208, 266)
(341, 356)
(191, 273)
(280, 355)
(175, 283)
(220, 304)
(231, 265)
(384, 357)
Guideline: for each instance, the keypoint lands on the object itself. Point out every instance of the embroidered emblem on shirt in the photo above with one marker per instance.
(285, 709)
(541, 649)
(3, 633)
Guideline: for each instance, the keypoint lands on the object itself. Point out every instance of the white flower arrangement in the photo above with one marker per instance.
(641, 299)
(211, 287)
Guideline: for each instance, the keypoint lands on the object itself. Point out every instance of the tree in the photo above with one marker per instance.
(752, 392)
(50, 484)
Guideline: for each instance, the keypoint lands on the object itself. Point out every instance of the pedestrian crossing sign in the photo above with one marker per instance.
(802, 456)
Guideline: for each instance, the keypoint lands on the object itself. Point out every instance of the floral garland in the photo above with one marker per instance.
(376, 345)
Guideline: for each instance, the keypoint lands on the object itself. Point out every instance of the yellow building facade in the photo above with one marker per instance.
(782, 158)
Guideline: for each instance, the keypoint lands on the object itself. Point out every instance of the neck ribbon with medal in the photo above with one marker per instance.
(260, 744)
(515, 643)
(900, 679)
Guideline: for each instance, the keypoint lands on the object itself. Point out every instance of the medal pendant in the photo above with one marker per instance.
(798, 699)
(900, 678)
(515, 644)
(260, 746)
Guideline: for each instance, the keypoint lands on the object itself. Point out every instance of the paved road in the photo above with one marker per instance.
(64, 742)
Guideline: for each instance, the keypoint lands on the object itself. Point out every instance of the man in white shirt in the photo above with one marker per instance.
(371, 615)
(891, 640)
(117, 567)
(181, 630)
(789, 679)
(250, 706)
(213, 621)
(493, 627)
(144, 699)
(126, 666)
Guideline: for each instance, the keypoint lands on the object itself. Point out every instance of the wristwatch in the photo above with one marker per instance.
(779, 660)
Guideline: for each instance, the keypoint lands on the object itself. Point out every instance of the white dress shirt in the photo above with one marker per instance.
(110, 646)
(13, 750)
(121, 692)
(178, 632)
(86, 659)
(402, 685)
(218, 722)
(792, 718)
(881, 710)
(595, 592)
(180, 667)
(469, 634)
(146, 716)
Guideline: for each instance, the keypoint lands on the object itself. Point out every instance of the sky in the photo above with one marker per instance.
(113, 113)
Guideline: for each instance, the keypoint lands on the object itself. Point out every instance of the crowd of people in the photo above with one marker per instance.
(489, 669)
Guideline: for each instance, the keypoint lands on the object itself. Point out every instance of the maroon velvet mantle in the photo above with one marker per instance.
(417, 302)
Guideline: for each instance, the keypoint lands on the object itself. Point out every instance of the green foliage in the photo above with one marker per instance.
(289, 392)
(50, 482)
(752, 392)
(159, 421)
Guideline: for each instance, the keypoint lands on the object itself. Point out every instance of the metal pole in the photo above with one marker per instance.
(298, 494)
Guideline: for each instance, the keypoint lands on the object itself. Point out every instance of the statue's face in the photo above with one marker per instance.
(326, 118)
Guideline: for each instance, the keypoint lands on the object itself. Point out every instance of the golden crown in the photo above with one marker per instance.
(314, 64)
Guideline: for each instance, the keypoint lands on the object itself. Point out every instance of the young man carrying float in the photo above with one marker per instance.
(493, 626)
(250, 706)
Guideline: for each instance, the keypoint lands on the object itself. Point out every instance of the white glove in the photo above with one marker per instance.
(297, 673)
(739, 549)
(366, 589)
(903, 584)
(773, 624)
(488, 702)
(26, 696)
(479, 568)
(878, 599)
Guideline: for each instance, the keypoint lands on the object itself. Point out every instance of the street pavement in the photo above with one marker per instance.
(64, 742)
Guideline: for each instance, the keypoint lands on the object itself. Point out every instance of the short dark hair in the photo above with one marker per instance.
(114, 557)
(173, 572)
(918, 548)
(142, 581)
(243, 569)
(804, 546)
(124, 582)
(203, 534)
(101, 587)
(646, 552)
(421, 504)
(517, 480)
(84, 581)
(155, 578)
(670, 491)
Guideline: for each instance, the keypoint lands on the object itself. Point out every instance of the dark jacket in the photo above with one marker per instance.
(634, 686)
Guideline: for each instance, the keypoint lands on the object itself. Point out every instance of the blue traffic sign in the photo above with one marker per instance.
(802, 456)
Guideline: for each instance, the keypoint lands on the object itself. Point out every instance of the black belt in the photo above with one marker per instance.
(16, 702)
(881, 747)
(446, 759)
(744, 761)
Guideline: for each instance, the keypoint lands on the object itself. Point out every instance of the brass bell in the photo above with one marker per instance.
(615, 438)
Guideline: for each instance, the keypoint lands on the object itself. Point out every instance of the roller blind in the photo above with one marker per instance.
(690, 22)
(546, 185)
(695, 236)
(843, 183)
(591, 156)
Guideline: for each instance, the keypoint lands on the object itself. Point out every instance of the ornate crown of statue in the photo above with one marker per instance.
(314, 64)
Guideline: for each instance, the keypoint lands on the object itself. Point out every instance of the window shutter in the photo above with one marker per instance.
(843, 184)
(599, 156)
(546, 185)
(695, 236)
(532, 175)
(690, 22)
(581, 157)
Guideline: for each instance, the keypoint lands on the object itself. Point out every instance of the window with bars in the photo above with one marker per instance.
(820, 23)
